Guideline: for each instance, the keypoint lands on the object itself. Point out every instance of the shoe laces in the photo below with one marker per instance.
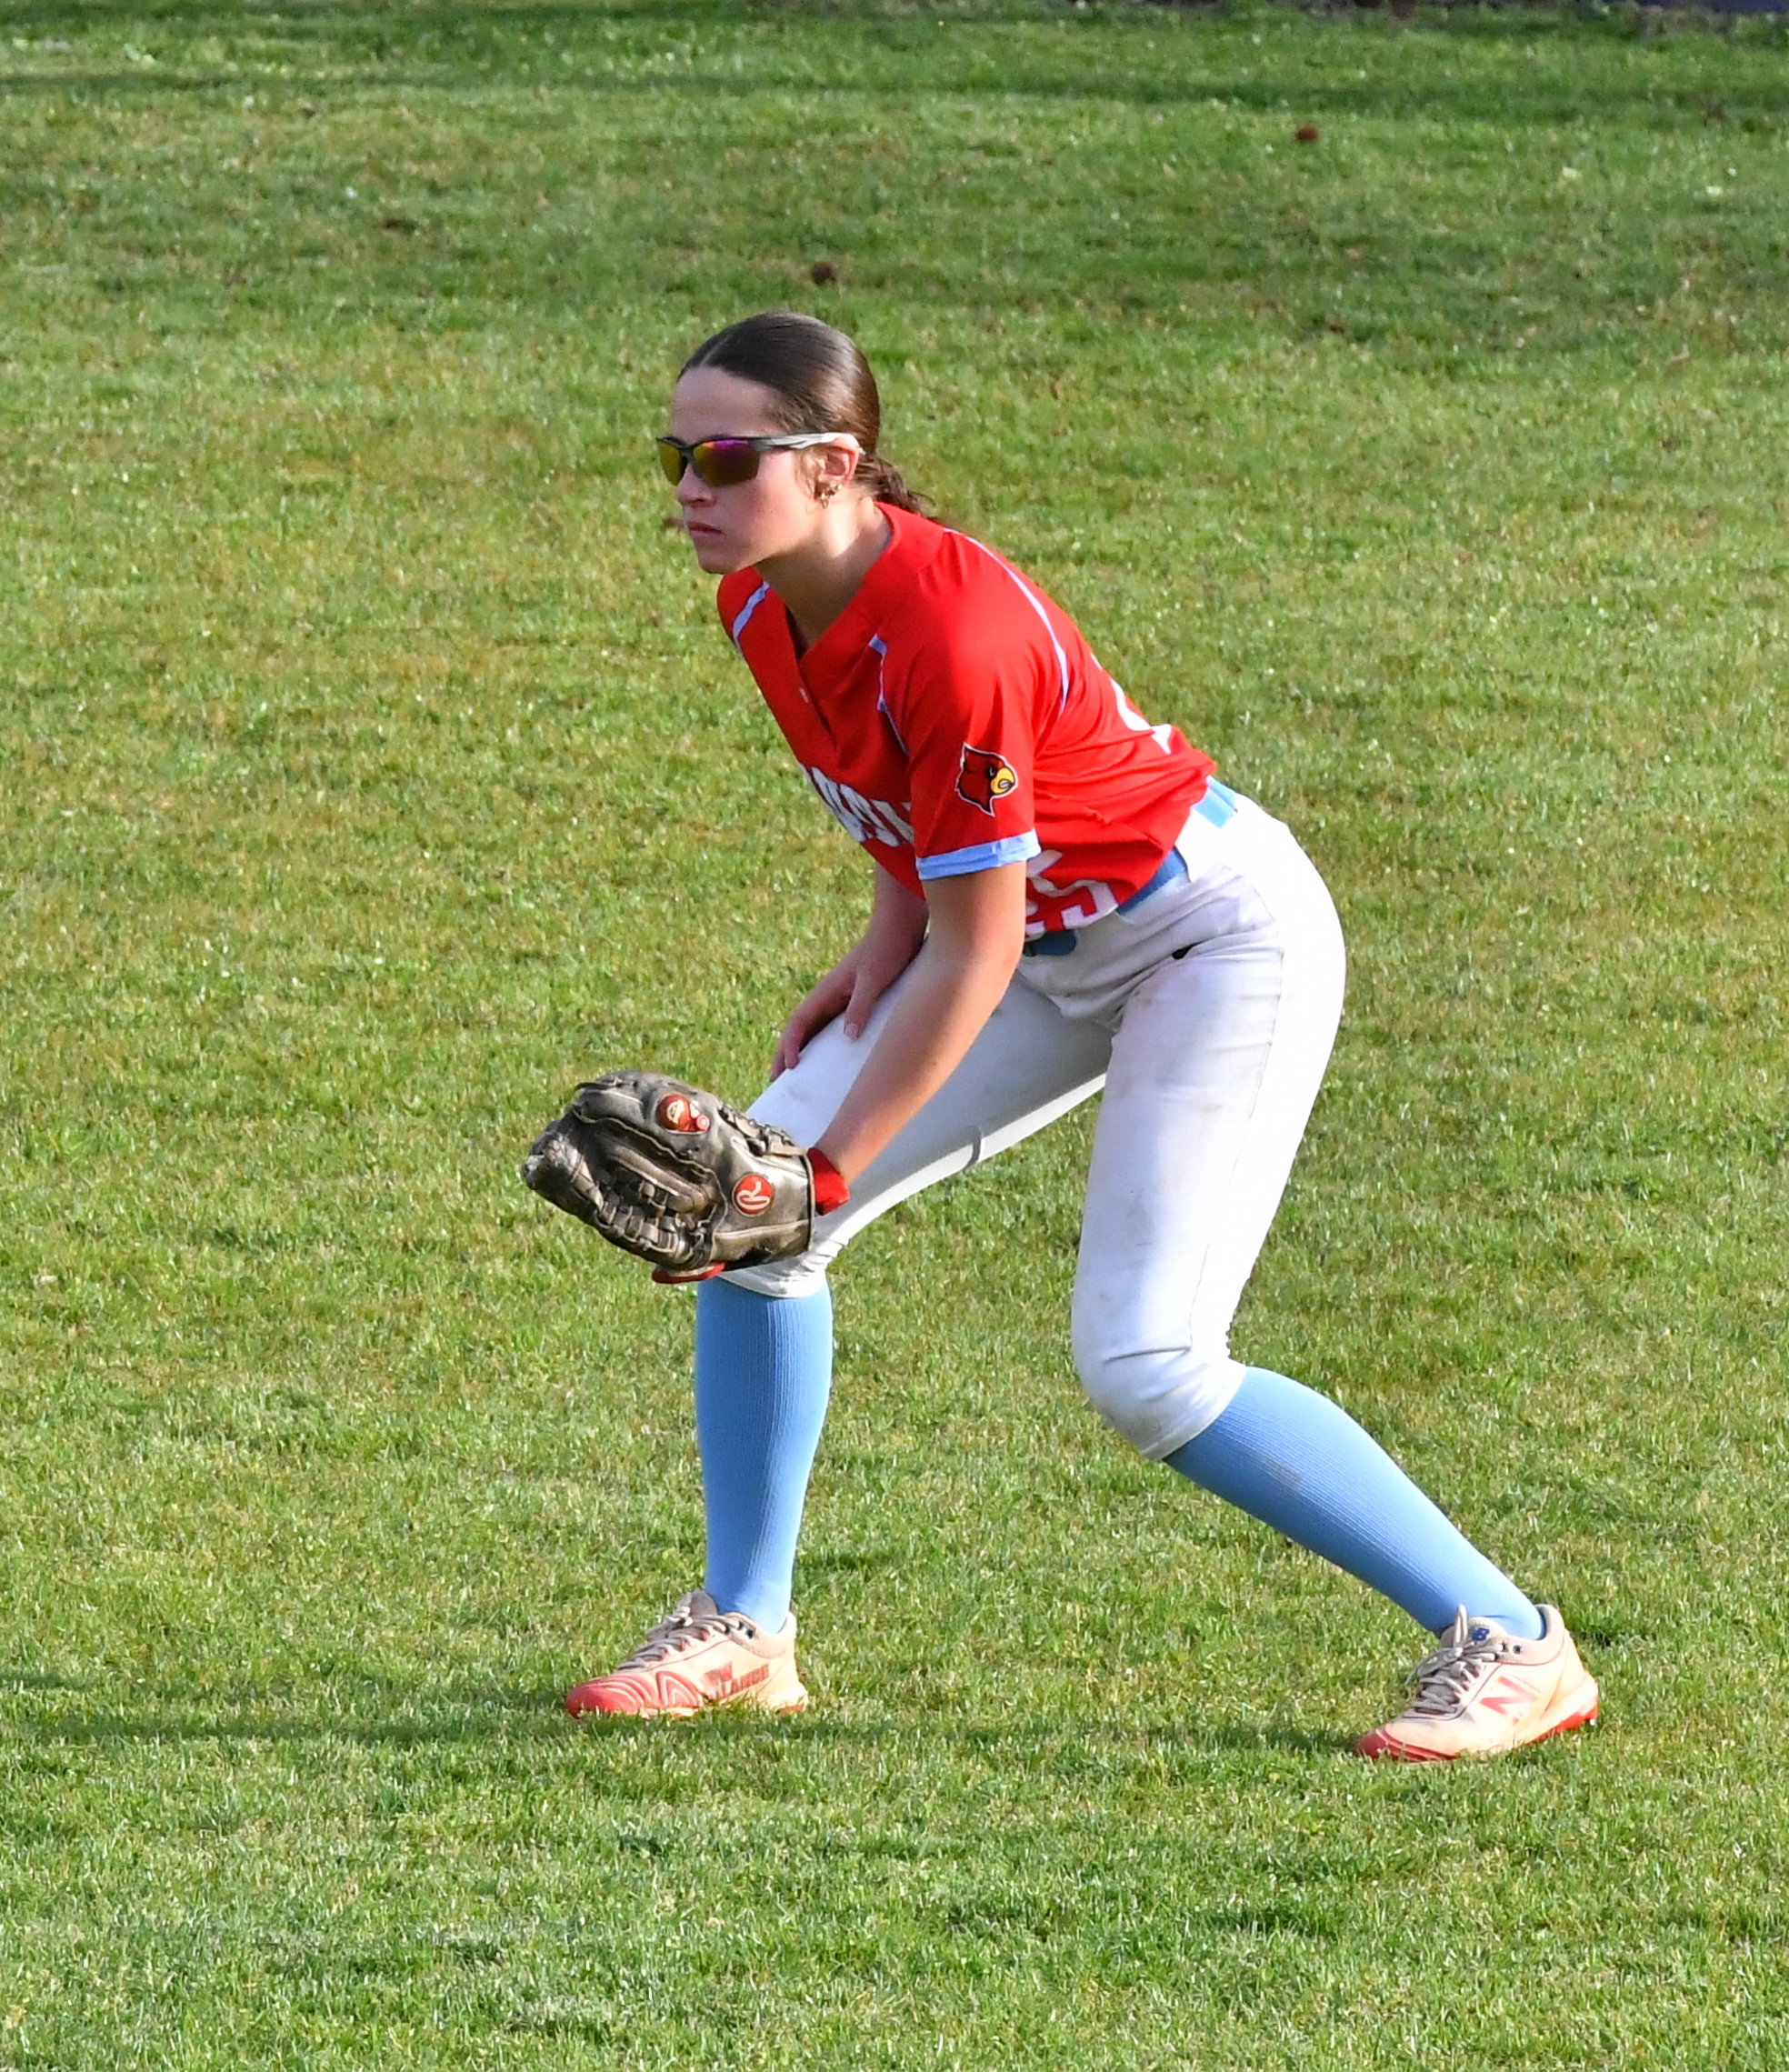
(686, 1626)
(1445, 1679)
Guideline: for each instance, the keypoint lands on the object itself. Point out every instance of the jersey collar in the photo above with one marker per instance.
(915, 540)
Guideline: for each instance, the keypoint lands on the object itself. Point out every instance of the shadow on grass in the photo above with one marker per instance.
(1035, 1742)
(471, 1716)
(488, 1715)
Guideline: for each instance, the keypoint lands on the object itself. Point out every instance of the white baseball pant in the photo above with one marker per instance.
(1207, 1011)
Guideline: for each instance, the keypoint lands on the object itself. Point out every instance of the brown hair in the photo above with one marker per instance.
(818, 381)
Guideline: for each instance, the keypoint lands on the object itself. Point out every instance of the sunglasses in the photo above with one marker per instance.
(719, 463)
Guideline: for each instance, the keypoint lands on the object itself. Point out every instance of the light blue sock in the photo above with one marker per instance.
(764, 1371)
(1299, 1463)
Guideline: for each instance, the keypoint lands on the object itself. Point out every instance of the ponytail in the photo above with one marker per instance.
(883, 479)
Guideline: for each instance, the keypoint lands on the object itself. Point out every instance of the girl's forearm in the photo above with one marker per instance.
(941, 1013)
(897, 918)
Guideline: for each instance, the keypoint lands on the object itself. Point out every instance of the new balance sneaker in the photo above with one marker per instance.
(1483, 1691)
(699, 1656)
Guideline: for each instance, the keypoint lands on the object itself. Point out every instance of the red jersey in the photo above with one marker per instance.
(953, 719)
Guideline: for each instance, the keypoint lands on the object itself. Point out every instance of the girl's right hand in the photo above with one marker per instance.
(861, 976)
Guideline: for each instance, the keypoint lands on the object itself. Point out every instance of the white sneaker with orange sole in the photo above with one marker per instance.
(1483, 1692)
(696, 1657)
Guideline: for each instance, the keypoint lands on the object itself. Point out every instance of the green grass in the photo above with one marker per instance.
(375, 769)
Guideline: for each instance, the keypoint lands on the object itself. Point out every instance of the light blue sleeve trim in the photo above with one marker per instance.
(1218, 805)
(984, 855)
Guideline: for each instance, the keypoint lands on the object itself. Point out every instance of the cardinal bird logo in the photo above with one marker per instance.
(984, 778)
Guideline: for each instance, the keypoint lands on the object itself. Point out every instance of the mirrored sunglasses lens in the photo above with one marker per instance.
(671, 461)
(723, 462)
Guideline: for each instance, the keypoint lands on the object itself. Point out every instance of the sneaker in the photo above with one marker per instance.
(1483, 1691)
(699, 1656)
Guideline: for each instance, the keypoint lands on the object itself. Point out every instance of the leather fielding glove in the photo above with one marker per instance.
(680, 1178)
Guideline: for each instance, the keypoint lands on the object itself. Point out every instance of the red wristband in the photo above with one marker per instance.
(830, 1191)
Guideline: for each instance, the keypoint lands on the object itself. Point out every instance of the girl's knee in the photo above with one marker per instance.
(1157, 1397)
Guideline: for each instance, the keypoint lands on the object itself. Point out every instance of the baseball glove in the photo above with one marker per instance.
(678, 1177)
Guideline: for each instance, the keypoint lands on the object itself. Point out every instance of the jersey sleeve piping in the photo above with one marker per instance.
(1031, 597)
(982, 856)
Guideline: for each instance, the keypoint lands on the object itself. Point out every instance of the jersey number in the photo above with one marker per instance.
(1099, 897)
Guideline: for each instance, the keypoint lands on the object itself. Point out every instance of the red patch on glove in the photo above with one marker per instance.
(677, 1111)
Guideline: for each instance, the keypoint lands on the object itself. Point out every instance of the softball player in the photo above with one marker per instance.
(1065, 899)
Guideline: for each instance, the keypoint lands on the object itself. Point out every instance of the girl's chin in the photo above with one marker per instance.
(715, 555)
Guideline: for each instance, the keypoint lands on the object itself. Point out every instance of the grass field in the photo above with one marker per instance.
(375, 769)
